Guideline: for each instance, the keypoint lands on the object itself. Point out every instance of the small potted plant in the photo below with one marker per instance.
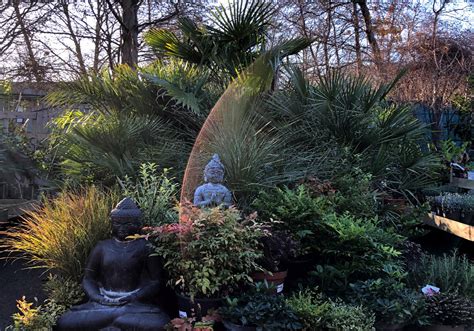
(449, 312)
(278, 249)
(259, 309)
(208, 255)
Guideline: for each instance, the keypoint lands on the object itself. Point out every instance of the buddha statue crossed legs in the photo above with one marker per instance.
(119, 279)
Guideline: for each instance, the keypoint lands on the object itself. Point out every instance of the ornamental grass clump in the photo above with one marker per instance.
(211, 252)
(59, 235)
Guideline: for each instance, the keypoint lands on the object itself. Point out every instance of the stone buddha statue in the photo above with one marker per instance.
(213, 193)
(120, 278)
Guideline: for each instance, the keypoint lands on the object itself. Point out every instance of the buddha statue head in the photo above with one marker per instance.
(126, 219)
(214, 170)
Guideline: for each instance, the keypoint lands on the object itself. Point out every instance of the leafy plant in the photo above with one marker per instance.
(155, 193)
(59, 235)
(390, 300)
(278, 249)
(28, 317)
(210, 252)
(317, 313)
(296, 211)
(63, 291)
(450, 309)
(354, 248)
(450, 272)
(259, 308)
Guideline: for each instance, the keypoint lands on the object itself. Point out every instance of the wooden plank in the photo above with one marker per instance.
(459, 229)
(462, 183)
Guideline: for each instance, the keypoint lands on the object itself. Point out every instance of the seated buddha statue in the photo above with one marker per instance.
(120, 278)
(213, 193)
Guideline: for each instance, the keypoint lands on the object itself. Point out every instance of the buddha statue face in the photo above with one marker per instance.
(214, 171)
(126, 219)
(124, 227)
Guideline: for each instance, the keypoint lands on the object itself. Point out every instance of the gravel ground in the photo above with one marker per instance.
(16, 282)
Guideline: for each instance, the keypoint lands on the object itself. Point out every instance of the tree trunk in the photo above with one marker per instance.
(75, 40)
(369, 30)
(355, 21)
(35, 67)
(129, 32)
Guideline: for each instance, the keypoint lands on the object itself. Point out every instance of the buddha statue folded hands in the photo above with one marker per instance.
(120, 279)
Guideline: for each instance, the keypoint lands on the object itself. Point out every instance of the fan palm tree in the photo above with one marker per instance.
(231, 41)
(351, 114)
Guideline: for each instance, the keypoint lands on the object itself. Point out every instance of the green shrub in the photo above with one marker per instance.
(29, 318)
(353, 249)
(316, 313)
(390, 300)
(63, 291)
(450, 272)
(295, 211)
(210, 253)
(154, 193)
(261, 309)
(60, 234)
(354, 193)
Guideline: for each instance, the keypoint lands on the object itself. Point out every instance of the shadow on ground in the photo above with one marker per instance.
(16, 282)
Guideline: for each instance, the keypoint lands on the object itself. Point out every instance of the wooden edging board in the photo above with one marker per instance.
(459, 229)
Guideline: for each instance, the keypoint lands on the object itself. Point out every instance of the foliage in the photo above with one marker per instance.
(231, 41)
(390, 300)
(407, 222)
(354, 116)
(450, 309)
(278, 249)
(155, 193)
(261, 309)
(354, 248)
(63, 291)
(59, 235)
(132, 117)
(206, 323)
(210, 252)
(450, 272)
(354, 193)
(28, 318)
(316, 313)
(102, 147)
(450, 151)
(296, 211)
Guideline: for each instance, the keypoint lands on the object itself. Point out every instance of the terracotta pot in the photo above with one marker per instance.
(235, 327)
(277, 279)
(199, 307)
(440, 327)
